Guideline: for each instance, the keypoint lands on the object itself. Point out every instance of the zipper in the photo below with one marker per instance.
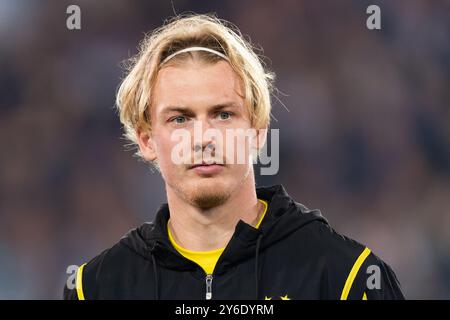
(209, 279)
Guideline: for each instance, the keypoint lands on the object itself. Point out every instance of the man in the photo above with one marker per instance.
(218, 237)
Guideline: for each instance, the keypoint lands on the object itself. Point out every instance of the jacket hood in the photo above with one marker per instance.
(283, 217)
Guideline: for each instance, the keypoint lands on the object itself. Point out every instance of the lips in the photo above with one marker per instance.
(205, 164)
(207, 169)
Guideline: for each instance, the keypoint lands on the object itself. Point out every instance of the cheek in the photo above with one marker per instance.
(164, 146)
(166, 155)
(237, 149)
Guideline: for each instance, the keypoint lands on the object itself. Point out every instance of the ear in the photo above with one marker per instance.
(146, 144)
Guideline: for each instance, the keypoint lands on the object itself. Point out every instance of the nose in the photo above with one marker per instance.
(203, 142)
(204, 147)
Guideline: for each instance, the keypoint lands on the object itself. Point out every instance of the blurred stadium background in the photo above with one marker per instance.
(366, 140)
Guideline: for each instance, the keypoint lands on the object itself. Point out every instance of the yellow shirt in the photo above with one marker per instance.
(207, 259)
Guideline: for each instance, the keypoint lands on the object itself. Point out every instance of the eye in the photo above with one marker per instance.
(224, 115)
(178, 119)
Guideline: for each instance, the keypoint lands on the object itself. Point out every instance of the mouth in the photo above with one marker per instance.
(205, 168)
(205, 164)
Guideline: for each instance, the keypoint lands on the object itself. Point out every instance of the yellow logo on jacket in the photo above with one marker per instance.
(285, 297)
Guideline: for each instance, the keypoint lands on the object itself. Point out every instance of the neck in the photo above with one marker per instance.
(197, 229)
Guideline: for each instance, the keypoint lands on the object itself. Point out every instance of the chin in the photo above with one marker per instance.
(209, 192)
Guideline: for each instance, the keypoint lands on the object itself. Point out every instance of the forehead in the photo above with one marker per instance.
(196, 84)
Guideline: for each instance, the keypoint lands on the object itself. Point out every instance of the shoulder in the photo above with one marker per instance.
(331, 245)
(355, 272)
(109, 268)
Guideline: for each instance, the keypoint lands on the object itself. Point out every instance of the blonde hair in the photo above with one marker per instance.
(134, 95)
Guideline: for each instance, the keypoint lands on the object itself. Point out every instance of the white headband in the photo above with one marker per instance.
(195, 49)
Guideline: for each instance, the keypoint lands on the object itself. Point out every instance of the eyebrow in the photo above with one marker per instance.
(187, 110)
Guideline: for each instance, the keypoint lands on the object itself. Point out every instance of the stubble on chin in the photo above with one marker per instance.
(208, 196)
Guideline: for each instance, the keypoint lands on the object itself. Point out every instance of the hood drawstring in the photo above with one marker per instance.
(258, 245)
(155, 271)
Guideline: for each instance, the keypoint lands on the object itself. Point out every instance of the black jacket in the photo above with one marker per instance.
(294, 254)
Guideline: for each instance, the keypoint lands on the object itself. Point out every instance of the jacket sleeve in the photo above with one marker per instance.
(387, 287)
(69, 294)
(75, 291)
(86, 281)
(375, 280)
